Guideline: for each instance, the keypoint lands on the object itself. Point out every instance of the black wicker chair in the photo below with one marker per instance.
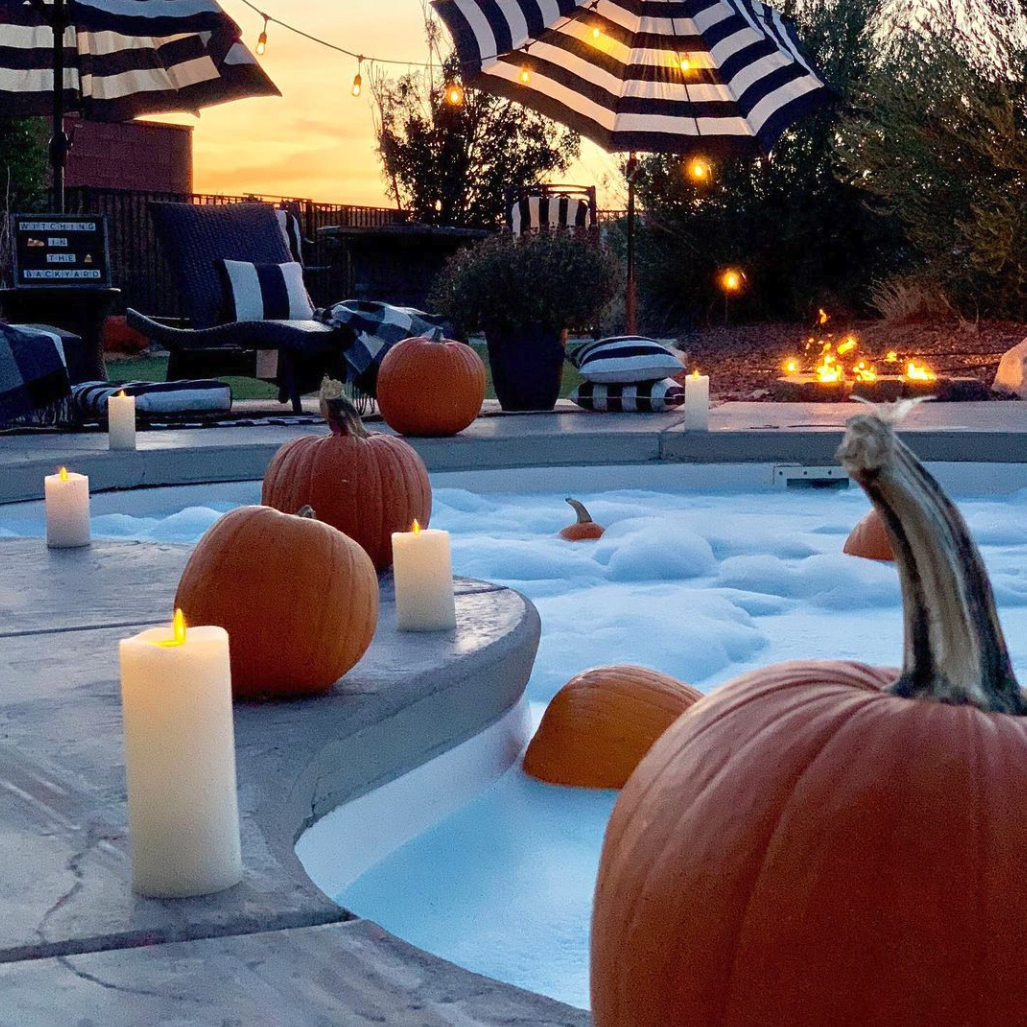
(194, 240)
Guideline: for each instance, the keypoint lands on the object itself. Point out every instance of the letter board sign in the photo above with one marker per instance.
(53, 250)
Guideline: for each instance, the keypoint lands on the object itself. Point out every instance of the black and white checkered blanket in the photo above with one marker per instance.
(378, 327)
(33, 373)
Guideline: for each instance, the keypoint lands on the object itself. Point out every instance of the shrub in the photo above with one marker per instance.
(910, 301)
(554, 279)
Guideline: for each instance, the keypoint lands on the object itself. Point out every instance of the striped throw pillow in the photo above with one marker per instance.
(633, 398)
(266, 292)
(289, 223)
(625, 358)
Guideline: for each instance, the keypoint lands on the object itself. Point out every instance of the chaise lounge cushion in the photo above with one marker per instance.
(195, 239)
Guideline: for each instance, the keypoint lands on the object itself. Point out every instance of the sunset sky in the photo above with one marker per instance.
(316, 140)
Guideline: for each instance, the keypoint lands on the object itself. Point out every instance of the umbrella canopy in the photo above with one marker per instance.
(124, 58)
(660, 76)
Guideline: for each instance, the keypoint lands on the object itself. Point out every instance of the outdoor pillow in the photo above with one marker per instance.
(624, 359)
(631, 398)
(266, 292)
(293, 232)
(153, 399)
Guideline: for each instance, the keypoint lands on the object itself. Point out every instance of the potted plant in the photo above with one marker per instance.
(526, 293)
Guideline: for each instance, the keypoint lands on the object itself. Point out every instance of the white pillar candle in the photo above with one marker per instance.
(423, 571)
(697, 402)
(183, 813)
(67, 509)
(121, 422)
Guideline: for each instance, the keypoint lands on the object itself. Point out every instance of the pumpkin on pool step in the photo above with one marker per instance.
(584, 527)
(298, 599)
(869, 539)
(826, 844)
(602, 722)
(430, 386)
(366, 485)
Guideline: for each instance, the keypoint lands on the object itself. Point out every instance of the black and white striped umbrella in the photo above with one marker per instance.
(124, 58)
(659, 76)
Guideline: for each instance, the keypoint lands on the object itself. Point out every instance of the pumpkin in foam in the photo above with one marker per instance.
(430, 386)
(366, 485)
(298, 599)
(869, 539)
(827, 843)
(584, 528)
(602, 722)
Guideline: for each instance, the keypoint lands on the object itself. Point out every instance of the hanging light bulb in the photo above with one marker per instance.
(525, 74)
(262, 39)
(357, 80)
(699, 169)
(454, 94)
(684, 64)
(596, 31)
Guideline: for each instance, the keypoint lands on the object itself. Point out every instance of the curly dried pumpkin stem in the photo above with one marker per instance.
(340, 414)
(954, 650)
(584, 517)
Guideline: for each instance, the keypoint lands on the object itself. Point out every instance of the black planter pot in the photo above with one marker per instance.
(527, 367)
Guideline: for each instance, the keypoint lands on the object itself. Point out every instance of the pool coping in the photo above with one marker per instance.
(803, 433)
(76, 945)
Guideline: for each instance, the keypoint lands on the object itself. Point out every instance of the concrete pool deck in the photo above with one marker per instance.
(804, 433)
(76, 946)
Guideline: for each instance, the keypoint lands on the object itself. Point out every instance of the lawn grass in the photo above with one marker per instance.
(154, 369)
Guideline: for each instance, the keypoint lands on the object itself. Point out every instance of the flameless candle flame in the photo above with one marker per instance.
(121, 394)
(177, 631)
(416, 529)
(695, 373)
(63, 473)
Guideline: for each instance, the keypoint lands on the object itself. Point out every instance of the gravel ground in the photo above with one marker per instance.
(743, 361)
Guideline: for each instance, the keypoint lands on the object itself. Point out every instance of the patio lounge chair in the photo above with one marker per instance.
(195, 239)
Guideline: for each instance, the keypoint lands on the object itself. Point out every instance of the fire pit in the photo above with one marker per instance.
(831, 369)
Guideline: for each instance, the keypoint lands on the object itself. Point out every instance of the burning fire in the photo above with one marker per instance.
(828, 370)
(917, 372)
(862, 373)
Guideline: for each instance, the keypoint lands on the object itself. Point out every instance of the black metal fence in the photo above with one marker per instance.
(144, 277)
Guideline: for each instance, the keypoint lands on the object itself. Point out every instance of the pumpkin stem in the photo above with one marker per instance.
(954, 650)
(584, 517)
(437, 335)
(307, 511)
(342, 416)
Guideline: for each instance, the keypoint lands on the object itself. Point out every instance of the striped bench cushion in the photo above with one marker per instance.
(634, 398)
(266, 292)
(625, 358)
(554, 211)
(153, 399)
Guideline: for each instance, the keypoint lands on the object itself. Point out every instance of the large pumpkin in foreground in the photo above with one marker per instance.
(366, 485)
(298, 599)
(602, 722)
(819, 845)
(429, 385)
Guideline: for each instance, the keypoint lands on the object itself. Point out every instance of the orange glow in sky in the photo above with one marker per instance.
(316, 140)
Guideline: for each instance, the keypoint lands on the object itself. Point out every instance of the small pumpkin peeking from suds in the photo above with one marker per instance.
(826, 843)
(584, 528)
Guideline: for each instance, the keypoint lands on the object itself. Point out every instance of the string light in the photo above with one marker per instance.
(262, 39)
(685, 65)
(357, 79)
(596, 31)
(699, 169)
(731, 280)
(454, 94)
(525, 74)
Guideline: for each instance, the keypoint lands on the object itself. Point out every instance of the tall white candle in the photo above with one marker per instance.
(67, 509)
(697, 402)
(183, 814)
(423, 570)
(121, 422)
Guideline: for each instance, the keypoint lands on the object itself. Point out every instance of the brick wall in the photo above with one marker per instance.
(134, 155)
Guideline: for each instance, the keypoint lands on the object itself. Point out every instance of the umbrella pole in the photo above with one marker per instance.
(630, 322)
(58, 137)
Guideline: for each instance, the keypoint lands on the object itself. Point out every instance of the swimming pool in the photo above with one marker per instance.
(700, 583)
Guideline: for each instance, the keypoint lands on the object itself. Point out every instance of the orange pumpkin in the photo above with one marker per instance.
(430, 386)
(820, 843)
(869, 539)
(298, 599)
(584, 528)
(602, 722)
(366, 485)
